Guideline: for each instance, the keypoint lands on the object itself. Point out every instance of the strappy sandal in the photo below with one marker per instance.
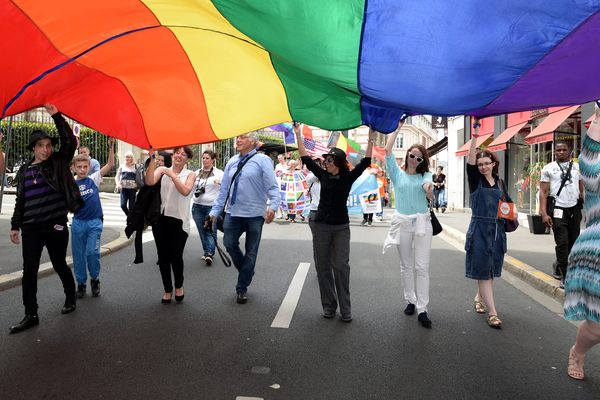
(494, 321)
(479, 306)
(575, 369)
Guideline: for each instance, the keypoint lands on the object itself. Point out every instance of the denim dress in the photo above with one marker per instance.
(486, 238)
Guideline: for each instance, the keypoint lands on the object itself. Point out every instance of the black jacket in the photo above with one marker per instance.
(146, 209)
(56, 170)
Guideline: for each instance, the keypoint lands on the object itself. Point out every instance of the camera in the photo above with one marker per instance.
(200, 191)
(208, 224)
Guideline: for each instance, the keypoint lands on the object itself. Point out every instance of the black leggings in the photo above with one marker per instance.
(170, 242)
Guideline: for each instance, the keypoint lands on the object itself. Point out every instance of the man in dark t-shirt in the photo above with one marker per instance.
(439, 189)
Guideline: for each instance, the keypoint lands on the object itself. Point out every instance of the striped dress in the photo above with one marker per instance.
(582, 284)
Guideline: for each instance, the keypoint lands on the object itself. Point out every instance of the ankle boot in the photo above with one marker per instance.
(70, 304)
(81, 288)
(95, 283)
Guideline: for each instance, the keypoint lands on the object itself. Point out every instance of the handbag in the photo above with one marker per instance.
(221, 216)
(435, 224)
(507, 211)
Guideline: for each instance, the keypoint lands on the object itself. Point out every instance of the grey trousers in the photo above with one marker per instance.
(331, 249)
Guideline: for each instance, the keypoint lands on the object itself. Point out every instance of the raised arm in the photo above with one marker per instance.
(471, 159)
(371, 142)
(301, 148)
(111, 158)
(152, 173)
(68, 142)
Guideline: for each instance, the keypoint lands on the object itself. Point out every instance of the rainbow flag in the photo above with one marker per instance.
(166, 73)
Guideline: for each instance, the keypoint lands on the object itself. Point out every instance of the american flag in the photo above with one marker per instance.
(315, 148)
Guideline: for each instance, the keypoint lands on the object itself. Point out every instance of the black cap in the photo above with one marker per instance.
(339, 153)
(38, 135)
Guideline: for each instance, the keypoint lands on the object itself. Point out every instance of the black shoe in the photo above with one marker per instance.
(242, 298)
(424, 320)
(208, 260)
(179, 299)
(364, 221)
(328, 314)
(95, 284)
(443, 210)
(410, 309)
(138, 261)
(346, 318)
(562, 284)
(81, 290)
(26, 323)
(69, 307)
(557, 274)
(370, 223)
(166, 301)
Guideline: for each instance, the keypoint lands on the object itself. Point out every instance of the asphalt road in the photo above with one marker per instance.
(127, 345)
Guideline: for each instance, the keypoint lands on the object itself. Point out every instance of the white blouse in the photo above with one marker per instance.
(173, 203)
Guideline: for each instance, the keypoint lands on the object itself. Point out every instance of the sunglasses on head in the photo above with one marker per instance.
(419, 159)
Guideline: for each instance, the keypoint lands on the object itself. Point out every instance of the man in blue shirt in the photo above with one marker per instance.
(252, 199)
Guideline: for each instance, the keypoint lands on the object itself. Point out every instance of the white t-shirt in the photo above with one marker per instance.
(173, 203)
(211, 189)
(570, 192)
(315, 190)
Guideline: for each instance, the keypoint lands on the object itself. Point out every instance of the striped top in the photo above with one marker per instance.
(41, 202)
(582, 284)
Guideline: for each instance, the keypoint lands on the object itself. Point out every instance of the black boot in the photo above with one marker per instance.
(95, 284)
(70, 304)
(27, 322)
(81, 288)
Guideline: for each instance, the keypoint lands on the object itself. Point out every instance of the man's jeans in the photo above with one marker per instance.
(233, 228)
(208, 238)
(439, 196)
(85, 246)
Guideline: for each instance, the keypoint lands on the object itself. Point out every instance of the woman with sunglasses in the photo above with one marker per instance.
(331, 225)
(486, 237)
(411, 229)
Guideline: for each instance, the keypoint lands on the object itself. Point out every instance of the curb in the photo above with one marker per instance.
(14, 279)
(535, 278)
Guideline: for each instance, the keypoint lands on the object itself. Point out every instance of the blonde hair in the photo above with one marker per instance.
(81, 158)
(129, 153)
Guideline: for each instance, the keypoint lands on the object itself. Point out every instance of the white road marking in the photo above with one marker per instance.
(248, 398)
(290, 301)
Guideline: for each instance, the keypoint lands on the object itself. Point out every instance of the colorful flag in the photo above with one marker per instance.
(293, 190)
(288, 132)
(353, 147)
(306, 132)
(315, 148)
(342, 143)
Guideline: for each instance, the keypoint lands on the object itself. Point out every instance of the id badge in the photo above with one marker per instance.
(558, 213)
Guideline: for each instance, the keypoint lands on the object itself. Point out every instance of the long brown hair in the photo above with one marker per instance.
(423, 165)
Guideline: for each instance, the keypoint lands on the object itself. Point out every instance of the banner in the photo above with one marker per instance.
(364, 196)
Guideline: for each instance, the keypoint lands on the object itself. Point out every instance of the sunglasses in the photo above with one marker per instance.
(419, 159)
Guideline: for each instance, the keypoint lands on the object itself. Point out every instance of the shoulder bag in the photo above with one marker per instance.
(551, 200)
(221, 216)
(507, 211)
(435, 224)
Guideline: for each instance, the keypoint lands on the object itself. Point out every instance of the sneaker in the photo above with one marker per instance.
(364, 221)
(410, 309)
(95, 284)
(81, 290)
(242, 298)
(203, 258)
(208, 260)
(556, 272)
(370, 223)
(424, 320)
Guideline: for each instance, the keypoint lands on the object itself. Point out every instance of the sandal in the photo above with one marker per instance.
(479, 306)
(575, 368)
(494, 321)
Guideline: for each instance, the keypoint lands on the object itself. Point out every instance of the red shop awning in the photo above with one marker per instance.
(545, 131)
(588, 121)
(500, 142)
(464, 150)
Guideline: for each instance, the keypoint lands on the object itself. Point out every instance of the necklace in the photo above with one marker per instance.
(37, 175)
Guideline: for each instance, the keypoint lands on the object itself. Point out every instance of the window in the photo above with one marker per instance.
(400, 141)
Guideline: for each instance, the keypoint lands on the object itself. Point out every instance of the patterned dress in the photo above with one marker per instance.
(582, 284)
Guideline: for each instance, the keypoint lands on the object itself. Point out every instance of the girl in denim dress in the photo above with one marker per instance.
(486, 238)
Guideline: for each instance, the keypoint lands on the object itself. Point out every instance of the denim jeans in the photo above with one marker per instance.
(127, 197)
(85, 246)
(208, 238)
(233, 228)
(440, 198)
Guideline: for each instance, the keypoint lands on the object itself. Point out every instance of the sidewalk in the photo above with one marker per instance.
(529, 256)
(112, 240)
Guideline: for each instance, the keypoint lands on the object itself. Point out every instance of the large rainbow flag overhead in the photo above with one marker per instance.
(165, 73)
